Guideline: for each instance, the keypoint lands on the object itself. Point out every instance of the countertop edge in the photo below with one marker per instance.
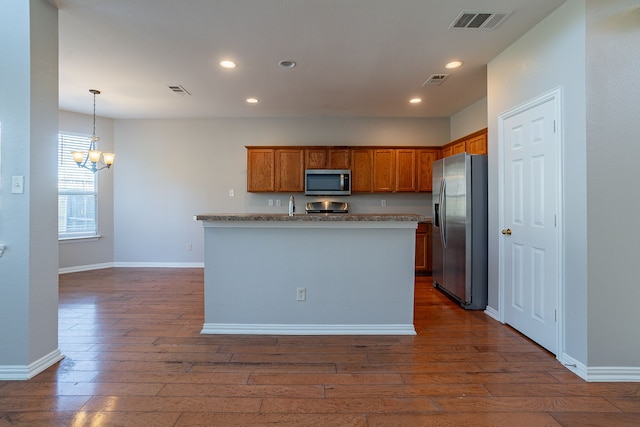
(246, 217)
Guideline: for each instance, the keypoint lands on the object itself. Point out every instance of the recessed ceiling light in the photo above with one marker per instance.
(415, 100)
(252, 100)
(286, 63)
(454, 64)
(227, 64)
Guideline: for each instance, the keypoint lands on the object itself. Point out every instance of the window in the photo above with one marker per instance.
(77, 191)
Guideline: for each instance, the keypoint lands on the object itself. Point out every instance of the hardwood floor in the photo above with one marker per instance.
(135, 357)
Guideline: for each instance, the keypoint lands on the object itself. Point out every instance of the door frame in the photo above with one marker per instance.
(554, 95)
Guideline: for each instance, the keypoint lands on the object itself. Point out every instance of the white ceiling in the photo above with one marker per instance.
(363, 58)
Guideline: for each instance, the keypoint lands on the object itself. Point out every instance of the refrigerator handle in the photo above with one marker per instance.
(443, 214)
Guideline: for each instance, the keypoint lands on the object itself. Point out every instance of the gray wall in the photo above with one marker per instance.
(469, 120)
(613, 128)
(92, 253)
(28, 106)
(551, 55)
(166, 171)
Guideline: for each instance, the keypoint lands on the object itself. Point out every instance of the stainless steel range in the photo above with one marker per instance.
(327, 207)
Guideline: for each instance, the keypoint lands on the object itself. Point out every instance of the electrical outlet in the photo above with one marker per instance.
(189, 247)
(270, 202)
(301, 294)
(383, 202)
(278, 202)
(232, 192)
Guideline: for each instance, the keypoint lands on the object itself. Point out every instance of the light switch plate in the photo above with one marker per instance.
(17, 184)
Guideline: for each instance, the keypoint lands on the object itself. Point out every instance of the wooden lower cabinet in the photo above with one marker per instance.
(423, 248)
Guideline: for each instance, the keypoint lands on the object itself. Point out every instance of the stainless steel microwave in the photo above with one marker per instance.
(327, 182)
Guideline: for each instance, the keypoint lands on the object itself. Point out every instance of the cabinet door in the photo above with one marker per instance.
(447, 151)
(384, 170)
(424, 166)
(405, 169)
(477, 144)
(423, 248)
(315, 158)
(459, 147)
(362, 170)
(428, 255)
(260, 169)
(339, 158)
(289, 170)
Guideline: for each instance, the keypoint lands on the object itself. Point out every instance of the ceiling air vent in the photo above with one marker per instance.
(180, 90)
(479, 20)
(435, 79)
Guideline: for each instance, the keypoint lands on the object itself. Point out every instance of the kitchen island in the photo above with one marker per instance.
(309, 274)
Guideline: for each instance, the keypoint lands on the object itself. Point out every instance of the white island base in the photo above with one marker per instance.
(357, 274)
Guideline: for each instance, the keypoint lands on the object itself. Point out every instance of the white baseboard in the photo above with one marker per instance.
(285, 329)
(26, 372)
(625, 374)
(90, 267)
(159, 264)
(493, 313)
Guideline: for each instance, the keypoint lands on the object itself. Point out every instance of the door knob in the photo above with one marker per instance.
(507, 232)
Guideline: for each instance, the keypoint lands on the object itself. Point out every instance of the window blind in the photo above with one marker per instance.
(77, 191)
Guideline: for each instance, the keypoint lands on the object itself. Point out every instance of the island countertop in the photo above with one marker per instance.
(244, 217)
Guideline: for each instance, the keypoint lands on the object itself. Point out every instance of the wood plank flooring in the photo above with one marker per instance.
(135, 357)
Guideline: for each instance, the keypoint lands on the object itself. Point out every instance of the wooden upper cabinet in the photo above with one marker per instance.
(289, 168)
(384, 170)
(477, 144)
(447, 151)
(339, 158)
(459, 147)
(315, 158)
(361, 170)
(424, 166)
(373, 169)
(405, 169)
(260, 169)
(474, 143)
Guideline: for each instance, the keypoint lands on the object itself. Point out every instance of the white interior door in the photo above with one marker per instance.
(530, 230)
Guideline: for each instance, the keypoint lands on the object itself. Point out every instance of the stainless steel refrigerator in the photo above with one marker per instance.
(459, 200)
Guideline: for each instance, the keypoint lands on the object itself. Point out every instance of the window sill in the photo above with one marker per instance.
(79, 239)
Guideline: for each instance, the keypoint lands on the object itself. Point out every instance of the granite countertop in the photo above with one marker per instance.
(311, 217)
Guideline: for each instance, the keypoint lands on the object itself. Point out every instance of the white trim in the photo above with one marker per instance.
(26, 372)
(625, 374)
(89, 267)
(556, 96)
(301, 329)
(493, 313)
(78, 268)
(159, 264)
(574, 366)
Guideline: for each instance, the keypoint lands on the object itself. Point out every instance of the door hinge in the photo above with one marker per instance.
(555, 220)
(554, 126)
(555, 315)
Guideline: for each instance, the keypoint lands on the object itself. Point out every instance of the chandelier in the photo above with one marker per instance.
(93, 159)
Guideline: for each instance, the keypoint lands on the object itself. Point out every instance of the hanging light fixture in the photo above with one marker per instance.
(93, 159)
